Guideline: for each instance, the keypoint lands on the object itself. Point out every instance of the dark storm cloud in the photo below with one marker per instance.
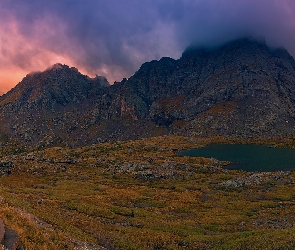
(217, 21)
(113, 37)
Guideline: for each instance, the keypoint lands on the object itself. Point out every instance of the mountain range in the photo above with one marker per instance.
(241, 89)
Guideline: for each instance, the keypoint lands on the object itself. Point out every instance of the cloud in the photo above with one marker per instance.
(217, 21)
(113, 38)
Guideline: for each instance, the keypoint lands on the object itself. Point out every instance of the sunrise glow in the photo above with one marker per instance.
(103, 38)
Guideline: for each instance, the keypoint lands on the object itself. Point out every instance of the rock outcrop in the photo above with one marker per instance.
(9, 239)
(6, 167)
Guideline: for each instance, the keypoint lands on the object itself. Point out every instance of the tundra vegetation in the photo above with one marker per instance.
(140, 195)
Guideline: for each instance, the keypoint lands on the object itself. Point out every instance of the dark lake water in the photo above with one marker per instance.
(248, 157)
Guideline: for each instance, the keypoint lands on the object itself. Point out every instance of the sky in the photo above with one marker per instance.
(114, 37)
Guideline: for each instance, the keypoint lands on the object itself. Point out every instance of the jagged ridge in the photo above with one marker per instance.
(240, 89)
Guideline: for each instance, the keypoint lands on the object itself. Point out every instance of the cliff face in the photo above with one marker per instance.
(242, 89)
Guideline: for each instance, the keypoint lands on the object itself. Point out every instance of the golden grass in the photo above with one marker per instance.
(106, 199)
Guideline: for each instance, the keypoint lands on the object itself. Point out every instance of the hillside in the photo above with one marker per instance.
(140, 195)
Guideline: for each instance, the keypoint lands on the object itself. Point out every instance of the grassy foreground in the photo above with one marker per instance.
(141, 195)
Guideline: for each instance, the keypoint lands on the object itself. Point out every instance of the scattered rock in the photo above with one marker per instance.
(6, 167)
(259, 179)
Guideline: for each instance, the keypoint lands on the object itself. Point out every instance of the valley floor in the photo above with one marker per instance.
(141, 195)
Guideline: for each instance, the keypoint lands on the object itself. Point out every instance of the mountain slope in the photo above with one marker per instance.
(48, 104)
(241, 89)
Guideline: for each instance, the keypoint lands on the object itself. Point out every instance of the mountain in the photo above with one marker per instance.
(47, 105)
(240, 89)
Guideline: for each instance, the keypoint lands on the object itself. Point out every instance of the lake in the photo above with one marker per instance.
(248, 157)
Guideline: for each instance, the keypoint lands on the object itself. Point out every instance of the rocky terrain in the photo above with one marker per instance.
(140, 194)
(241, 89)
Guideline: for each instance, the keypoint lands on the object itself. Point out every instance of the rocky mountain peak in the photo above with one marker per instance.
(241, 89)
(60, 83)
(251, 79)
